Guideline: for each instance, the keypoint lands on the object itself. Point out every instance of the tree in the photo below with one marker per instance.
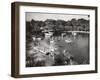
(84, 24)
(50, 24)
(74, 24)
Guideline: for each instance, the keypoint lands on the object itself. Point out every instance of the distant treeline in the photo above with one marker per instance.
(71, 25)
(35, 27)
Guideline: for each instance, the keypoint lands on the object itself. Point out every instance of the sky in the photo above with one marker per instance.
(44, 16)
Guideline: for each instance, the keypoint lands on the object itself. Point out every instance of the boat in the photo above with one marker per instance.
(68, 40)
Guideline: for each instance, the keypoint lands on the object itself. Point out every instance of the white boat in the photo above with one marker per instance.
(68, 40)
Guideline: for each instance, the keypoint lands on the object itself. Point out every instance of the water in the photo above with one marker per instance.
(79, 47)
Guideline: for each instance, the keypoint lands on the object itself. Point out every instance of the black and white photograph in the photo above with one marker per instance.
(54, 39)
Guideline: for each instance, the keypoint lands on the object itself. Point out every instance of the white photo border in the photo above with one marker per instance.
(54, 69)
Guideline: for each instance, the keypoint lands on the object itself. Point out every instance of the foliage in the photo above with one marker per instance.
(73, 24)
